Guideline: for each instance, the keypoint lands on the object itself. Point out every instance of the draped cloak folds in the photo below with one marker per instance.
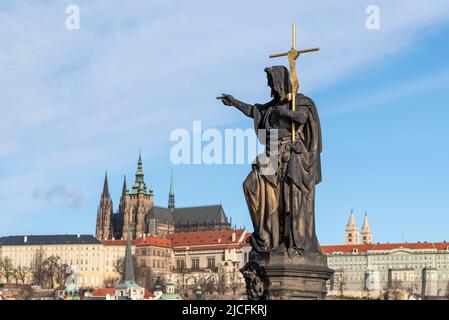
(282, 204)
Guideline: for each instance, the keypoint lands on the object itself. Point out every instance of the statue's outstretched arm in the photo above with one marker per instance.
(246, 108)
(229, 100)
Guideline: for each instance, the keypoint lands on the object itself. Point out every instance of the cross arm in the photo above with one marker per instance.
(298, 52)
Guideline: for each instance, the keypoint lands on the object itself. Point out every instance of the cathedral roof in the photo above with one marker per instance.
(162, 215)
(32, 240)
(206, 214)
(212, 214)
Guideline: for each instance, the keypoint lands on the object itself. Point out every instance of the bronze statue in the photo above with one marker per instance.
(282, 205)
(286, 261)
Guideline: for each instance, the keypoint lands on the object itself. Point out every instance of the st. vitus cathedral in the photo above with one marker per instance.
(137, 212)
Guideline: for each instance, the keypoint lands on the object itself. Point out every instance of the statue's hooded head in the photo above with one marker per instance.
(279, 81)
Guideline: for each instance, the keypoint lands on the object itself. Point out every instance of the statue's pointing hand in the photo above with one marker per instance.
(227, 99)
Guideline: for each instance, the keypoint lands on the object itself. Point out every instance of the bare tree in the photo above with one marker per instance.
(206, 284)
(38, 268)
(340, 282)
(51, 267)
(6, 269)
(20, 274)
(234, 282)
(110, 282)
(447, 290)
(60, 273)
(222, 284)
(119, 266)
(396, 289)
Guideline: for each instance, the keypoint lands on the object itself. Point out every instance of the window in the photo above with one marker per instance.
(195, 263)
(180, 264)
(211, 263)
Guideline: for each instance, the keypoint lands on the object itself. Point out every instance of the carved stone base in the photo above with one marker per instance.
(278, 276)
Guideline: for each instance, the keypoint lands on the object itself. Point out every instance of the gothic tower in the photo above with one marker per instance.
(367, 236)
(352, 231)
(104, 228)
(136, 205)
(171, 195)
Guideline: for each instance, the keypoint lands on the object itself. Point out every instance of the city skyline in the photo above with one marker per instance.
(90, 99)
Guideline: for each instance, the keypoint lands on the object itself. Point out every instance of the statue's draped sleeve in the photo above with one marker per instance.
(304, 167)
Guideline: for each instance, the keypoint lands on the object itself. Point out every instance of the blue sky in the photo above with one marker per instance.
(77, 103)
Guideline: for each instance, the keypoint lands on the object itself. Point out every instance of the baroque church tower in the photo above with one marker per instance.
(104, 228)
(352, 231)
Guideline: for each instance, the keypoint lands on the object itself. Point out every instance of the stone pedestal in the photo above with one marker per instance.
(278, 276)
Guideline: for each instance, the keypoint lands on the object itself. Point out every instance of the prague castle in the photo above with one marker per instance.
(137, 212)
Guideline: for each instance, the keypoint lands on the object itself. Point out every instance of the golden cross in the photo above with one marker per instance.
(292, 55)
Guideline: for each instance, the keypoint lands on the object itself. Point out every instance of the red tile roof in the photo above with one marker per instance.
(115, 242)
(145, 241)
(206, 238)
(363, 248)
(153, 241)
(102, 292)
(148, 294)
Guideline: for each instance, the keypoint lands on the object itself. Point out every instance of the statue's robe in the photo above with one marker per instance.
(282, 205)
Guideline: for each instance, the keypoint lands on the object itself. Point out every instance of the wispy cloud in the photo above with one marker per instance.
(60, 194)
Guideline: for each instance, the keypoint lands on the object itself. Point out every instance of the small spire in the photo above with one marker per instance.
(105, 185)
(125, 187)
(352, 222)
(128, 274)
(365, 227)
(172, 188)
(171, 194)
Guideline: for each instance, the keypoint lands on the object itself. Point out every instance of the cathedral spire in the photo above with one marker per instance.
(105, 185)
(103, 229)
(125, 188)
(171, 194)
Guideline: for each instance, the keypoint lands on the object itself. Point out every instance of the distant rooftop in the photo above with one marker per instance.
(36, 240)
(439, 246)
